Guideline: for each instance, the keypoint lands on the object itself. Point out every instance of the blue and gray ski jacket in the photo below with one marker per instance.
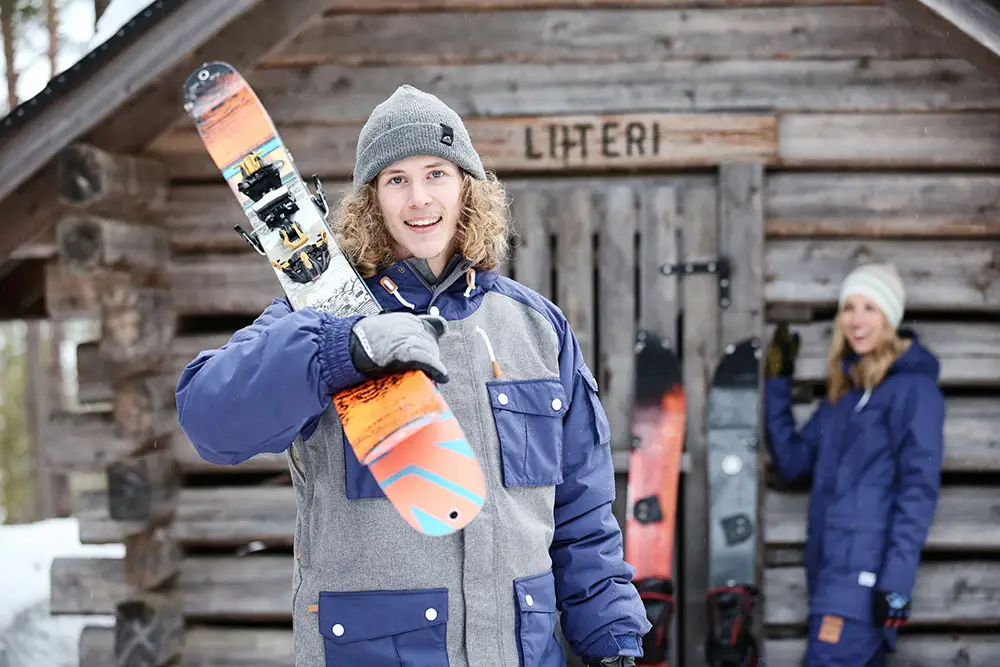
(875, 464)
(367, 588)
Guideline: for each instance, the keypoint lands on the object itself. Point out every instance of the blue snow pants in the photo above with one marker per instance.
(842, 642)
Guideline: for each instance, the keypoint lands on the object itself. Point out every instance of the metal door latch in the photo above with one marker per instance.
(718, 266)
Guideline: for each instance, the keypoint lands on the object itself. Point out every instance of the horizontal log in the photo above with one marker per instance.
(938, 274)
(200, 218)
(87, 442)
(207, 517)
(96, 180)
(236, 647)
(203, 646)
(969, 353)
(255, 588)
(148, 630)
(222, 284)
(331, 94)
(70, 294)
(971, 433)
(143, 489)
(890, 140)
(881, 205)
(138, 325)
(521, 145)
(966, 593)
(151, 557)
(89, 242)
(258, 588)
(579, 142)
(606, 35)
(390, 6)
(965, 520)
(911, 651)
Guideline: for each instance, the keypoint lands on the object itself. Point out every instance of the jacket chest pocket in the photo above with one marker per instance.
(385, 628)
(529, 422)
(359, 482)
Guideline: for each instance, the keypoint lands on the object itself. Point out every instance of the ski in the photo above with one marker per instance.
(400, 427)
(734, 401)
(658, 422)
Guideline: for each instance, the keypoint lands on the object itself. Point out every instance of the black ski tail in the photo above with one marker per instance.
(730, 611)
(658, 598)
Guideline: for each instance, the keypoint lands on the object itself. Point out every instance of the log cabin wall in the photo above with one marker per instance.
(799, 138)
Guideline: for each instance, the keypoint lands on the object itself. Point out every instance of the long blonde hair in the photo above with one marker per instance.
(869, 370)
(481, 237)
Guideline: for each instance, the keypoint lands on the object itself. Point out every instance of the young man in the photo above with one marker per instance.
(426, 225)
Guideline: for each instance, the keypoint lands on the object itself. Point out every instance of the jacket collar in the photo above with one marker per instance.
(401, 287)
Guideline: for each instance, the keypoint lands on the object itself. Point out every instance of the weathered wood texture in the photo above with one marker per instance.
(326, 94)
(200, 218)
(967, 28)
(965, 520)
(257, 588)
(969, 353)
(940, 275)
(606, 35)
(588, 142)
(96, 180)
(237, 647)
(945, 593)
(627, 142)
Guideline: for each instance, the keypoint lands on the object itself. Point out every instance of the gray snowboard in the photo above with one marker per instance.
(734, 401)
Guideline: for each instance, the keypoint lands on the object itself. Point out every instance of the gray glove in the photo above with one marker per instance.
(391, 343)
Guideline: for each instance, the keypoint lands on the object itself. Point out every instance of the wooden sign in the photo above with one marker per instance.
(624, 141)
(530, 143)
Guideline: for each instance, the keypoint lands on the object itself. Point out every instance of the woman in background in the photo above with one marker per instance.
(873, 451)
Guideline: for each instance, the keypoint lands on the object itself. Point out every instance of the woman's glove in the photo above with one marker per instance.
(391, 343)
(890, 610)
(782, 353)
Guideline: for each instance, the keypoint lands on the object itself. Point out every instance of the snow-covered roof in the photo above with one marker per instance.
(122, 23)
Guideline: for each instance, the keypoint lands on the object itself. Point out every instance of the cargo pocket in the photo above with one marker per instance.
(601, 425)
(528, 415)
(535, 624)
(358, 479)
(385, 628)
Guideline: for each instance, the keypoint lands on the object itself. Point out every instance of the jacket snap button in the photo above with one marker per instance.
(338, 629)
(431, 614)
(556, 404)
(502, 398)
(529, 600)
(434, 310)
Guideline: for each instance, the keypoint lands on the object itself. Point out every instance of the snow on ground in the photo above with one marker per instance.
(29, 635)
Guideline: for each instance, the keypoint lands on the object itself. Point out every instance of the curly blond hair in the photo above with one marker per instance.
(482, 236)
(869, 370)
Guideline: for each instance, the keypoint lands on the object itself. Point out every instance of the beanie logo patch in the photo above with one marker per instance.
(447, 135)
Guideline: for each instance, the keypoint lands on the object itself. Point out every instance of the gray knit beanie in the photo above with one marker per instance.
(409, 123)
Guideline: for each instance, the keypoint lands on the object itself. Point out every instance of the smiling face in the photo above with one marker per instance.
(420, 198)
(862, 323)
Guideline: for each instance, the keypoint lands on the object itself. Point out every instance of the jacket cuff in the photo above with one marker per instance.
(335, 365)
(610, 645)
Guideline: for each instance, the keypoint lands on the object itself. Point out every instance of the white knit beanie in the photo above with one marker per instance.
(880, 283)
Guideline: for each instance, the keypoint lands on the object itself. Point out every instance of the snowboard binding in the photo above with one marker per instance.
(308, 264)
(658, 597)
(730, 641)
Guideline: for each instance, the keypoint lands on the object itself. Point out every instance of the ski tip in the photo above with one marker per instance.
(740, 364)
(205, 78)
(657, 370)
